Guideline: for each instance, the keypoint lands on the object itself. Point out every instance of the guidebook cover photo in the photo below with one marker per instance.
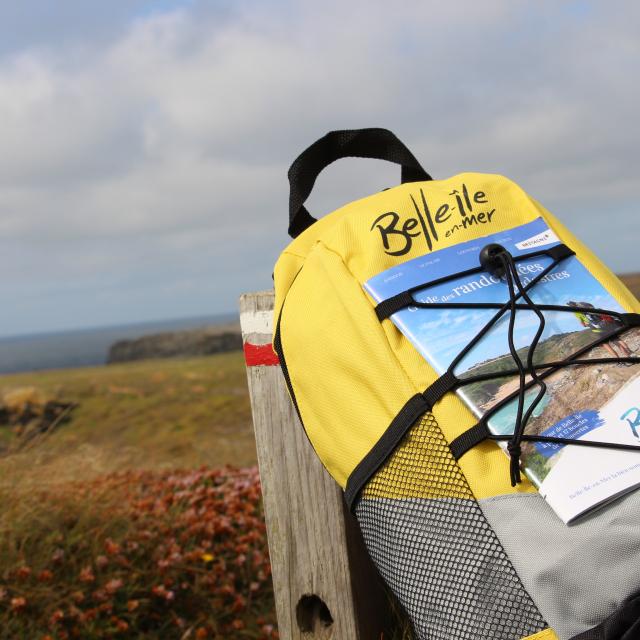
(599, 402)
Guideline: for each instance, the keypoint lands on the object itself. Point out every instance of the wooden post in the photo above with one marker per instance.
(325, 585)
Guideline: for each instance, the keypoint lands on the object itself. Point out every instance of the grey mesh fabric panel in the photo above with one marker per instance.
(435, 549)
(579, 574)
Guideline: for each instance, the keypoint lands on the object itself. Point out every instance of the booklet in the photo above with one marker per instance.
(598, 402)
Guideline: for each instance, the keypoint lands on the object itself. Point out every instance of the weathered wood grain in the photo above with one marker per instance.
(316, 550)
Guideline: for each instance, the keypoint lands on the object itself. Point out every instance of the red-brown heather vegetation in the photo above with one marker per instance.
(139, 554)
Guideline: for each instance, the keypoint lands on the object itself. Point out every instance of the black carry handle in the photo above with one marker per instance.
(376, 143)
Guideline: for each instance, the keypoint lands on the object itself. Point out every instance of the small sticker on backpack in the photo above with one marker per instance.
(539, 240)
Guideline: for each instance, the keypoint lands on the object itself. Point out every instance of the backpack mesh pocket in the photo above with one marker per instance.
(433, 546)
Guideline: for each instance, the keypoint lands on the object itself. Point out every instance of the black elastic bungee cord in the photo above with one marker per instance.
(552, 367)
(502, 309)
(555, 364)
(513, 446)
(500, 263)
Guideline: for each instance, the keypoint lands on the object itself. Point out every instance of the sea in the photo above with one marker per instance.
(86, 347)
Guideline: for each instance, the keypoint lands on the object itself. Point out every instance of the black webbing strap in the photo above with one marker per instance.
(630, 319)
(445, 383)
(594, 634)
(391, 305)
(469, 439)
(376, 143)
(558, 252)
(479, 433)
(410, 413)
(403, 299)
(623, 624)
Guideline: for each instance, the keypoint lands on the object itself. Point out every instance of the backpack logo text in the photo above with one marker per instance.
(398, 238)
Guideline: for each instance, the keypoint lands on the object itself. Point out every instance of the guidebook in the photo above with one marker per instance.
(598, 402)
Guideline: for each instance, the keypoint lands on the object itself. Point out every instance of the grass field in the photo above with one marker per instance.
(157, 414)
(123, 521)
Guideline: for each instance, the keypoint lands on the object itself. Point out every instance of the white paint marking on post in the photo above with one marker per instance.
(257, 322)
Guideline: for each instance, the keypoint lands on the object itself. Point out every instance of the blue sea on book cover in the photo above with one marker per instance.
(598, 402)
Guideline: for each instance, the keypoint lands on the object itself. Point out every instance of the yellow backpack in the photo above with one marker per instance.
(468, 555)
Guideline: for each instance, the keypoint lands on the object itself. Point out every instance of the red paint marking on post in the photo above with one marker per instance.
(260, 354)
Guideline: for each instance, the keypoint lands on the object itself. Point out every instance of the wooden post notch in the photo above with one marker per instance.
(325, 584)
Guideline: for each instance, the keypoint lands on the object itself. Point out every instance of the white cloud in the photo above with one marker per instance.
(156, 158)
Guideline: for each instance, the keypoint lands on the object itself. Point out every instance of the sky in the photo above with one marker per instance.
(144, 145)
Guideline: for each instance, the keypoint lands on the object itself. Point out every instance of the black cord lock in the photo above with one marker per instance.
(490, 259)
